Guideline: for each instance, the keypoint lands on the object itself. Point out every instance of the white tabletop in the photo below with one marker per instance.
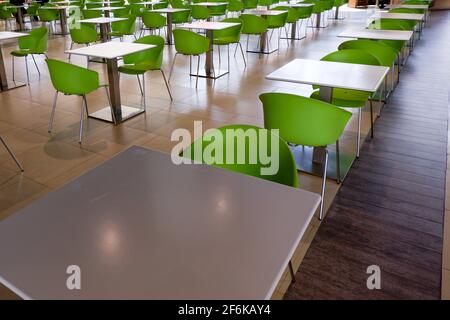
(170, 10)
(110, 50)
(331, 74)
(6, 35)
(140, 227)
(209, 4)
(402, 16)
(408, 6)
(208, 25)
(101, 20)
(106, 8)
(376, 34)
(264, 12)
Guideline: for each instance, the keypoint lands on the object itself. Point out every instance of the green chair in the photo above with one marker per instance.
(307, 122)
(161, 5)
(304, 13)
(253, 25)
(6, 16)
(124, 28)
(34, 43)
(190, 44)
(229, 36)
(317, 10)
(265, 3)
(351, 98)
(235, 6)
(11, 153)
(153, 21)
(241, 163)
(390, 24)
(179, 4)
(149, 60)
(48, 16)
(122, 13)
(218, 11)
(32, 11)
(200, 12)
(91, 14)
(81, 82)
(337, 4)
(278, 22)
(250, 4)
(83, 34)
(181, 16)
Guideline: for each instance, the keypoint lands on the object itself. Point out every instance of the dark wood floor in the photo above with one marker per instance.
(389, 211)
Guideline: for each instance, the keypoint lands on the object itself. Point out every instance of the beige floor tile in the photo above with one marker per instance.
(445, 284)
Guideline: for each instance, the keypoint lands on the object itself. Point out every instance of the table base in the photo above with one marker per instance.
(215, 75)
(12, 85)
(262, 52)
(304, 159)
(295, 38)
(127, 113)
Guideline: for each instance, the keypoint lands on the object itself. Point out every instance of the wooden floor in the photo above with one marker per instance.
(389, 211)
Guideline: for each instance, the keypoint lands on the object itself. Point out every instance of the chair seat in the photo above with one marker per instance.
(135, 69)
(346, 98)
(225, 40)
(21, 52)
(119, 34)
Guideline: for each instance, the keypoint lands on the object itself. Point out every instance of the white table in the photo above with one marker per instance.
(4, 83)
(402, 16)
(105, 25)
(111, 51)
(329, 75)
(375, 34)
(155, 231)
(263, 44)
(209, 27)
(169, 12)
(106, 10)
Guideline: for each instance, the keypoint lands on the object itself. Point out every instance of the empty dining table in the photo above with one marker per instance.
(4, 83)
(105, 25)
(169, 12)
(329, 75)
(111, 52)
(220, 239)
(209, 27)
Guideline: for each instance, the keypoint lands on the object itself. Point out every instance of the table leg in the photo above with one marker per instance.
(107, 15)
(336, 15)
(169, 28)
(63, 20)
(293, 30)
(4, 83)
(116, 113)
(104, 32)
(318, 18)
(20, 19)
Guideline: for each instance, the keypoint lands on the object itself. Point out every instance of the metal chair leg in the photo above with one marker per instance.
(167, 85)
(143, 92)
(358, 139)
(338, 163)
(52, 115)
(35, 64)
(291, 271)
(371, 119)
(171, 67)
(12, 154)
(324, 182)
(243, 56)
(13, 73)
(140, 86)
(26, 67)
(198, 70)
(83, 106)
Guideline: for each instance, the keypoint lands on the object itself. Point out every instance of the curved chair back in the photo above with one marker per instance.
(152, 58)
(36, 41)
(125, 26)
(384, 53)
(181, 17)
(122, 13)
(47, 15)
(305, 12)
(302, 120)
(200, 12)
(91, 14)
(161, 5)
(153, 20)
(250, 4)
(190, 43)
(277, 21)
(235, 6)
(351, 56)
(292, 14)
(232, 34)
(253, 24)
(84, 33)
(81, 81)
(234, 136)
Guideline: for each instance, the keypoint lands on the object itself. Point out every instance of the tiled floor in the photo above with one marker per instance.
(50, 160)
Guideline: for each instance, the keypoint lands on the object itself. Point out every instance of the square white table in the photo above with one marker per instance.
(105, 25)
(329, 75)
(140, 227)
(4, 83)
(169, 12)
(111, 51)
(376, 34)
(263, 44)
(209, 27)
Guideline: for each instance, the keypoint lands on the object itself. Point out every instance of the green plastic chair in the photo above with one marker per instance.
(190, 44)
(83, 34)
(318, 9)
(307, 122)
(287, 173)
(253, 25)
(32, 11)
(181, 16)
(250, 4)
(81, 82)
(161, 5)
(48, 16)
(235, 6)
(200, 12)
(124, 27)
(351, 98)
(91, 14)
(34, 43)
(218, 11)
(153, 21)
(304, 14)
(179, 4)
(122, 13)
(265, 3)
(390, 24)
(278, 22)
(149, 60)
(229, 36)
(6, 15)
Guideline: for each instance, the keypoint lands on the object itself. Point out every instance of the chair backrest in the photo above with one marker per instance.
(81, 81)
(235, 6)
(250, 4)
(219, 10)
(136, 9)
(190, 43)
(200, 12)
(153, 20)
(91, 14)
(161, 5)
(292, 14)
(36, 41)
(253, 24)
(182, 16)
(230, 33)
(84, 33)
(352, 56)
(152, 57)
(47, 15)
(125, 26)
(243, 155)
(302, 120)
(277, 21)
(305, 12)
(384, 53)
